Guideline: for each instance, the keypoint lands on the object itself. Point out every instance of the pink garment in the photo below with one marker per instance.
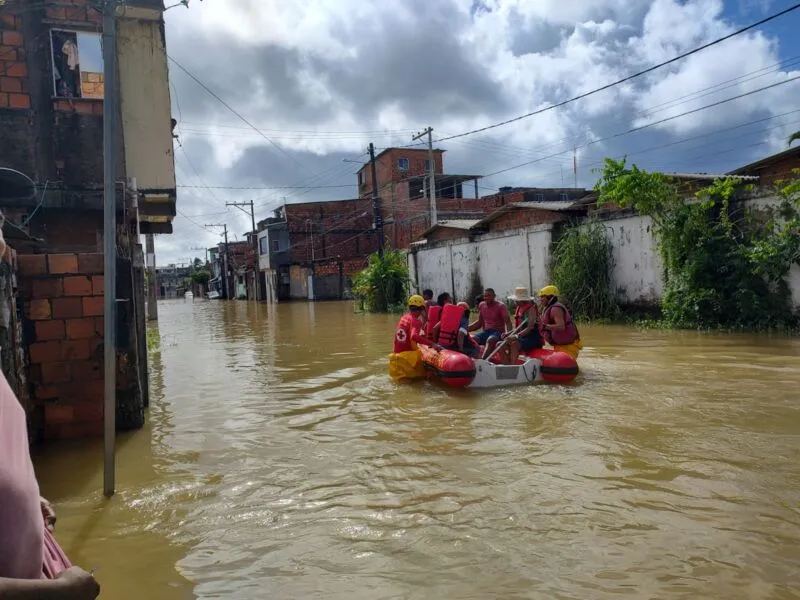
(494, 315)
(28, 550)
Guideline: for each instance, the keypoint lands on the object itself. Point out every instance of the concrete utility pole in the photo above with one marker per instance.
(431, 171)
(109, 244)
(152, 286)
(376, 201)
(241, 206)
(224, 259)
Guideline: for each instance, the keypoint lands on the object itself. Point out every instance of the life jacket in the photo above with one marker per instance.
(559, 338)
(434, 312)
(519, 314)
(448, 324)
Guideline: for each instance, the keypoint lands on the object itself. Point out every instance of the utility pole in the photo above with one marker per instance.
(376, 201)
(109, 245)
(152, 286)
(224, 258)
(431, 171)
(241, 206)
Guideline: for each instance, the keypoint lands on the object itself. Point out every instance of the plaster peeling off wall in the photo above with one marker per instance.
(465, 270)
(145, 104)
(638, 271)
(434, 270)
(539, 246)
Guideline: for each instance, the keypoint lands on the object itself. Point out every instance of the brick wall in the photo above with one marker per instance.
(524, 218)
(63, 299)
(14, 92)
(386, 167)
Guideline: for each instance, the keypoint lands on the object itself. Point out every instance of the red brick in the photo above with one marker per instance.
(7, 52)
(32, 264)
(86, 370)
(96, 347)
(21, 101)
(98, 326)
(56, 13)
(93, 306)
(84, 108)
(39, 310)
(42, 352)
(98, 283)
(16, 69)
(58, 413)
(8, 21)
(75, 350)
(90, 263)
(45, 392)
(91, 412)
(10, 85)
(75, 13)
(80, 329)
(67, 308)
(55, 372)
(49, 330)
(62, 263)
(4, 101)
(82, 391)
(12, 38)
(77, 286)
(98, 108)
(47, 288)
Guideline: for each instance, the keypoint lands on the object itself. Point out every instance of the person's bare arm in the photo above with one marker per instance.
(558, 318)
(72, 584)
(476, 324)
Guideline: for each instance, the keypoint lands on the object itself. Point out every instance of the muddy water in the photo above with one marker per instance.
(280, 462)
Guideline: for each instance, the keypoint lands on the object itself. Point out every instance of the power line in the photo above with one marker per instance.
(625, 79)
(274, 187)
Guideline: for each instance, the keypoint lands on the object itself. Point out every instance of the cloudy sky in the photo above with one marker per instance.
(314, 81)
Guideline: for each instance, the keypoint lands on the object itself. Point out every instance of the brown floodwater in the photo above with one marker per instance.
(279, 461)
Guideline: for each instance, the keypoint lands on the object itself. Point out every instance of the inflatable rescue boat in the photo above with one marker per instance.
(460, 371)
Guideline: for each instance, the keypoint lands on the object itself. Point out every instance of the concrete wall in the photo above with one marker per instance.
(638, 271)
(521, 257)
(145, 102)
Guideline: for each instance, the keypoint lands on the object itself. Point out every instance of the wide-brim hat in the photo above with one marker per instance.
(521, 295)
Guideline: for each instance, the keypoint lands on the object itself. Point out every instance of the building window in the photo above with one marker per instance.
(563, 197)
(402, 164)
(77, 64)
(262, 245)
(276, 245)
(427, 165)
(540, 197)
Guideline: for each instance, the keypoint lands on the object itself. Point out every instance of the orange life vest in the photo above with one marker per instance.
(448, 324)
(434, 312)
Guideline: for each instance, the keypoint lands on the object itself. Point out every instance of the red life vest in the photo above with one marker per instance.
(406, 328)
(519, 314)
(559, 338)
(434, 312)
(448, 324)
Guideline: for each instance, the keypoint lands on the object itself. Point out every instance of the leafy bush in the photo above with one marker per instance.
(724, 265)
(383, 285)
(581, 267)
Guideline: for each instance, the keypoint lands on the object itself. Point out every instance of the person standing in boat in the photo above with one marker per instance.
(405, 362)
(557, 326)
(527, 313)
(493, 321)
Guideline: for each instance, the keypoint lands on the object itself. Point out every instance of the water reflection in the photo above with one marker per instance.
(280, 461)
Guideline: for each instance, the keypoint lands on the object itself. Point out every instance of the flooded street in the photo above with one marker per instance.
(279, 461)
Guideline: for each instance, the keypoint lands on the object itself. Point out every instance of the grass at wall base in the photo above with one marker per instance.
(382, 286)
(726, 265)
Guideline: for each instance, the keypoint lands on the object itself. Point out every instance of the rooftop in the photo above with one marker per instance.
(767, 161)
(463, 224)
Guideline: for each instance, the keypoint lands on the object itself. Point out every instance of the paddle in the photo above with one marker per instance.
(514, 331)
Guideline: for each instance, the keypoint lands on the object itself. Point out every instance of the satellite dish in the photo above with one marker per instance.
(15, 185)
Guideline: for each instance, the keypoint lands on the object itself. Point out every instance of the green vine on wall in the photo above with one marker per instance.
(581, 267)
(725, 265)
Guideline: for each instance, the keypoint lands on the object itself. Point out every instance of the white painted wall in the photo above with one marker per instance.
(263, 259)
(638, 271)
(522, 257)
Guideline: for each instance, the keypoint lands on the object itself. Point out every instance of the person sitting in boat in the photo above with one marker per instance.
(493, 321)
(453, 331)
(556, 324)
(405, 362)
(526, 315)
(427, 295)
(435, 313)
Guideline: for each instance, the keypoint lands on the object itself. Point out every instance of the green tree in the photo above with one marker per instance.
(201, 277)
(793, 138)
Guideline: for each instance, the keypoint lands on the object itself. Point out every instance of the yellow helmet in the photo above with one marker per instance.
(417, 301)
(549, 290)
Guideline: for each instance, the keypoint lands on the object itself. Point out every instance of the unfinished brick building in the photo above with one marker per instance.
(51, 107)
